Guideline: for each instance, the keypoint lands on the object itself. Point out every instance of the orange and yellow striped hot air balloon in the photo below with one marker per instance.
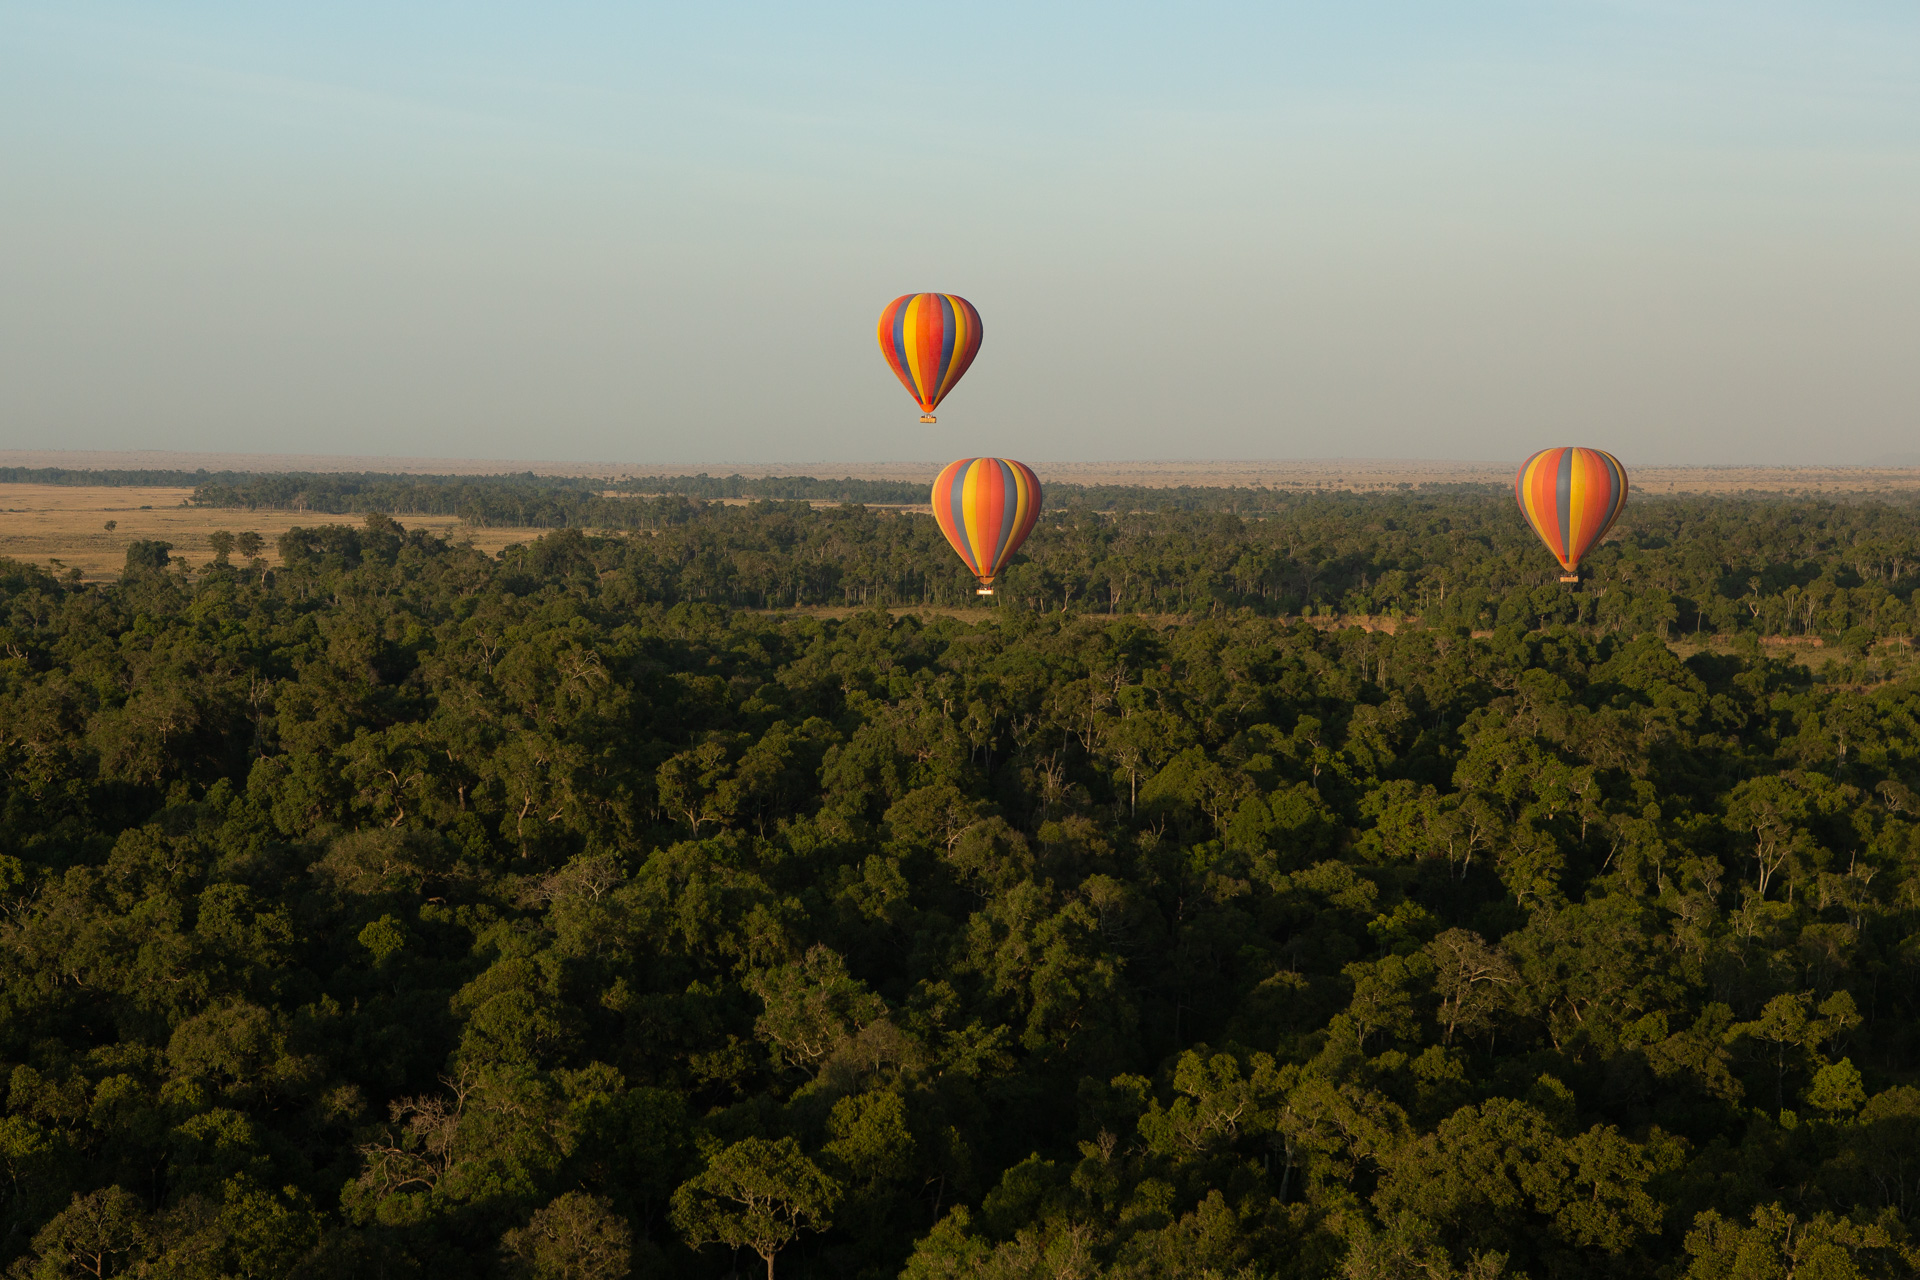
(929, 339)
(986, 507)
(1571, 497)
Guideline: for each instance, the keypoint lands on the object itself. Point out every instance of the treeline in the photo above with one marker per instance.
(541, 501)
(800, 488)
(114, 477)
(482, 501)
(406, 911)
(527, 500)
(1844, 572)
(523, 500)
(552, 502)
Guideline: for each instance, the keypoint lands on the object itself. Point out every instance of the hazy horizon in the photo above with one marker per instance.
(1680, 232)
(1885, 477)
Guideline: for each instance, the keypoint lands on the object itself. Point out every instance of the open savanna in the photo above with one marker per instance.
(46, 523)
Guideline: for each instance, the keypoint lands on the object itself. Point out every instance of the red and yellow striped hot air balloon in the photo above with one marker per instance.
(929, 339)
(1571, 497)
(986, 507)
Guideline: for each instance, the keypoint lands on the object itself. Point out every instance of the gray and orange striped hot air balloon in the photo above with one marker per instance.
(986, 507)
(929, 339)
(1571, 497)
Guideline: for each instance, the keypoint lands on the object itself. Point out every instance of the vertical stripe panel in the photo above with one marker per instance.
(1547, 491)
(952, 343)
(912, 348)
(1520, 499)
(1595, 495)
(974, 333)
(1527, 504)
(979, 496)
(889, 335)
(988, 510)
(1563, 504)
(948, 494)
(1619, 491)
(902, 344)
(1009, 512)
(962, 512)
(1579, 495)
(986, 530)
(910, 344)
(944, 370)
(1023, 509)
(1540, 499)
(1550, 503)
(977, 542)
(1034, 498)
(942, 502)
(964, 341)
(1523, 491)
(928, 315)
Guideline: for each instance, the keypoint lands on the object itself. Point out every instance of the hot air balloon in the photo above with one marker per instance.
(1571, 497)
(929, 339)
(986, 507)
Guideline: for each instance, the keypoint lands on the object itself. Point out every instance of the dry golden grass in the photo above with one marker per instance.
(44, 523)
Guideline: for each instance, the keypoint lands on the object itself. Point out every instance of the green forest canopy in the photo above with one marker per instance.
(404, 910)
(1759, 567)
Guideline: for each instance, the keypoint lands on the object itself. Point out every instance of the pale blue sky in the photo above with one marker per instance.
(1682, 231)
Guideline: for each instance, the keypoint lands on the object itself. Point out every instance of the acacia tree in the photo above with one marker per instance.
(757, 1195)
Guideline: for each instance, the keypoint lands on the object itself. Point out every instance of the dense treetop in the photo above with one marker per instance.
(403, 910)
(1846, 571)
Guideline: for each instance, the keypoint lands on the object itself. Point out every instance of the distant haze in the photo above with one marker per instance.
(1684, 232)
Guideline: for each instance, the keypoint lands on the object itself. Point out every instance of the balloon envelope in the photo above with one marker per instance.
(929, 339)
(986, 507)
(1571, 497)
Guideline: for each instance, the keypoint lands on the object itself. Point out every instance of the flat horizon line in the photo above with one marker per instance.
(269, 462)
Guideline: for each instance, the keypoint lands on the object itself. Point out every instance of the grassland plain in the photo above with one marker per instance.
(64, 526)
